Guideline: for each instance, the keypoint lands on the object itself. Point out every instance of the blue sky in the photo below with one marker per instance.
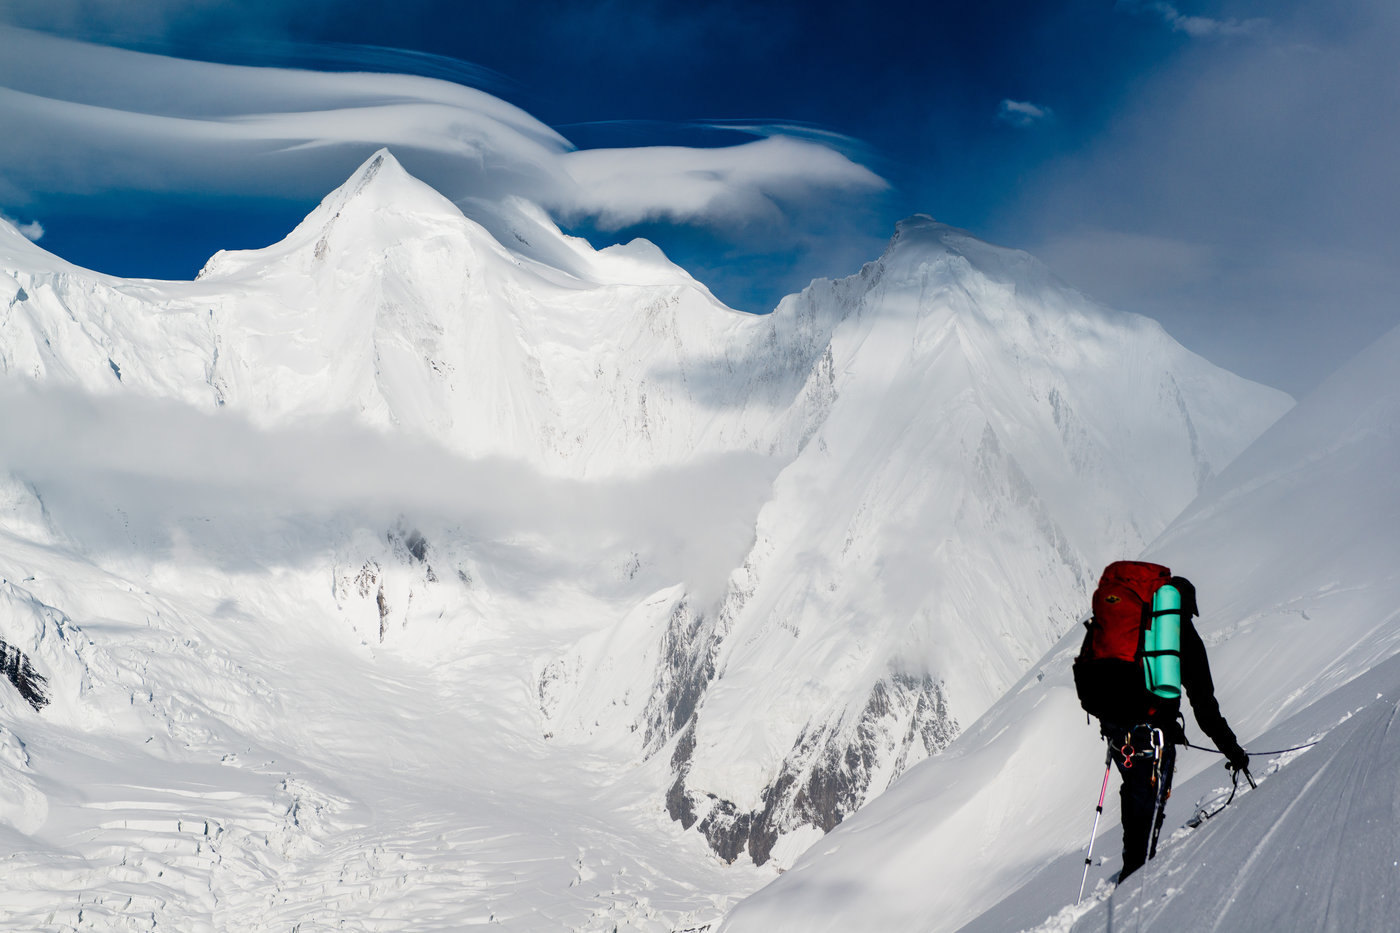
(1225, 167)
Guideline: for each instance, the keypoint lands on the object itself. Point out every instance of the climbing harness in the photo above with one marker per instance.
(1128, 752)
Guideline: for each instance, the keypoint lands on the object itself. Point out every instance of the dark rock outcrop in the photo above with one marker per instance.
(827, 776)
(29, 682)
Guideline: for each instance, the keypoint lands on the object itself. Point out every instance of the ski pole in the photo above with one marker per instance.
(1098, 812)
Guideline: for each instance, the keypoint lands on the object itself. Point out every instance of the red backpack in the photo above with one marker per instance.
(1108, 671)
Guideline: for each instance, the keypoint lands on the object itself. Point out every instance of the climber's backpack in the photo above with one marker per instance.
(1109, 671)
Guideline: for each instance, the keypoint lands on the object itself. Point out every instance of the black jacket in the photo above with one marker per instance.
(1196, 682)
(1198, 685)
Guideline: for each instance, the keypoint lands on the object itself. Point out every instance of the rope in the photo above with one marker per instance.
(1216, 751)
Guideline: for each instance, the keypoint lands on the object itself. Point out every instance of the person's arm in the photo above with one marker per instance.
(1196, 680)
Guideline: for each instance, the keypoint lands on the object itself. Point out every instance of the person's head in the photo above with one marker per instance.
(1187, 589)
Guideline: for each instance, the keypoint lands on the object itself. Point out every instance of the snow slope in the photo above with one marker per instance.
(1294, 552)
(220, 754)
(1314, 848)
(389, 577)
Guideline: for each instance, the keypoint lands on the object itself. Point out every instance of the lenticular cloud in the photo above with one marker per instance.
(97, 118)
(624, 186)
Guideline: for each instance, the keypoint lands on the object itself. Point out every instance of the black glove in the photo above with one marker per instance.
(1237, 759)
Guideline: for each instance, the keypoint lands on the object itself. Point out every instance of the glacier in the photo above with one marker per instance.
(403, 575)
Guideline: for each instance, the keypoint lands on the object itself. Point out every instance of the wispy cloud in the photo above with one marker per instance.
(1197, 27)
(1023, 113)
(32, 230)
(621, 187)
(96, 118)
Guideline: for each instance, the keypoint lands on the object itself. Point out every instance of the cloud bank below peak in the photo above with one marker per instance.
(98, 119)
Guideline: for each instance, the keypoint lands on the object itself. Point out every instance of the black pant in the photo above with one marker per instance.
(1139, 792)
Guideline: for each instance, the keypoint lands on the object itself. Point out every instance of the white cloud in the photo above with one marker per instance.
(1197, 27)
(33, 230)
(98, 118)
(126, 472)
(624, 186)
(1023, 113)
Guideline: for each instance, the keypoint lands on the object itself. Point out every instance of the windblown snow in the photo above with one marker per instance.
(397, 577)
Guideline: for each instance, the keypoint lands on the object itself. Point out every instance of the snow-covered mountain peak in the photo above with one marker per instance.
(920, 239)
(378, 207)
(379, 187)
(391, 306)
(924, 232)
(382, 207)
(952, 288)
(381, 181)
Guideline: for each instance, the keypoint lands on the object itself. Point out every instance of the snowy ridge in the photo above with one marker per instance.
(1293, 552)
(469, 535)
